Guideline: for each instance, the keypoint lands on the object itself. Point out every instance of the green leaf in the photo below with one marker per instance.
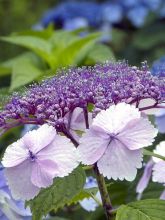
(45, 33)
(40, 46)
(150, 36)
(85, 193)
(61, 39)
(58, 195)
(149, 209)
(100, 53)
(76, 51)
(24, 71)
(4, 70)
(4, 92)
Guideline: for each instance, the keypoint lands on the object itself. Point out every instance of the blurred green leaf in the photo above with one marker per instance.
(58, 194)
(40, 46)
(4, 70)
(118, 192)
(24, 71)
(44, 34)
(85, 193)
(149, 37)
(61, 39)
(76, 51)
(4, 92)
(149, 209)
(100, 53)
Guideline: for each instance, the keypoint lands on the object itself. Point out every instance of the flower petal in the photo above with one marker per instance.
(118, 162)
(138, 133)
(158, 174)
(78, 120)
(144, 180)
(43, 172)
(92, 146)
(15, 154)
(116, 117)
(63, 153)
(160, 149)
(19, 181)
(36, 140)
(160, 123)
(147, 102)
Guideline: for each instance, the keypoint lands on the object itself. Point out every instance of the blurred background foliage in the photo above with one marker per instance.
(28, 55)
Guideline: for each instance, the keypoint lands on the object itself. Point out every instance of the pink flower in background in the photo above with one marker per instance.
(33, 161)
(159, 167)
(114, 141)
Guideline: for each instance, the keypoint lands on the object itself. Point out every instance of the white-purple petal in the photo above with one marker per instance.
(92, 146)
(118, 162)
(144, 180)
(36, 140)
(19, 181)
(159, 172)
(63, 153)
(138, 133)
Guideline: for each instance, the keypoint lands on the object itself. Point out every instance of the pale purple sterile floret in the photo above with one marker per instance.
(115, 140)
(101, 85)
(159, 167)
(36, 159)
(160, 119)
(144, 180)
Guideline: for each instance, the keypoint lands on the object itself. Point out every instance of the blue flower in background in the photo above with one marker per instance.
(90, 204)
(9, 208)
(137, 15)
(70, 10)
(158, 69)
(75, 23)
(128, 3)
(152, 4)
(111, 12)
(72, 14)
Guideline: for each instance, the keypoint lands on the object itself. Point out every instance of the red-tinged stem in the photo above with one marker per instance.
(107, 205)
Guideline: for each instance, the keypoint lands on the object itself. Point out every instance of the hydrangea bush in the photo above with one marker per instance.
(92, 119)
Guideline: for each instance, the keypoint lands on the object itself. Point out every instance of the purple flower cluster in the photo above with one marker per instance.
(54, 99)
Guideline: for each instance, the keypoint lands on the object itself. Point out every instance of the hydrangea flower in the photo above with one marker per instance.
(9, 208)
(159, 167)
(37, 158)
(89, 204)
(158, 67)
(102, 86)
(97, 14)
(115, 141)
(137, 15)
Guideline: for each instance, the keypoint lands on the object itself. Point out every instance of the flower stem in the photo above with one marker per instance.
(104, 193)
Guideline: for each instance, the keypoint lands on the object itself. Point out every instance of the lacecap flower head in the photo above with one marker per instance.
(102, 86)
(36, 159)
(115, 141)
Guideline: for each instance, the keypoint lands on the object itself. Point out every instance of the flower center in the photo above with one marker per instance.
(32, 156)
